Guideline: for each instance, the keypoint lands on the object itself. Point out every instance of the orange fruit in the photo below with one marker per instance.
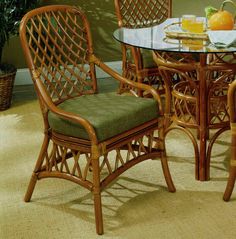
(222, 20)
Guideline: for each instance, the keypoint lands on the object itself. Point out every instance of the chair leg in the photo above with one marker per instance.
(164, 162)
(98, 213)
(167, 175)
(97, 193)
(39, 162)
(230, 184)
(30, 188)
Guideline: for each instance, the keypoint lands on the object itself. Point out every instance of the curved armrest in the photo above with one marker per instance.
(61, 113)
(232, 101)
(124, 80)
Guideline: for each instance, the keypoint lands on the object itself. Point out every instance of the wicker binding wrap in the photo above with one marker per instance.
(6, 86)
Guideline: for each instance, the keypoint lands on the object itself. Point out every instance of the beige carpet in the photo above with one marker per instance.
(136, 206)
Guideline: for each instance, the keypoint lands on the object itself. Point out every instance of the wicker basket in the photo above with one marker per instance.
(6, 86)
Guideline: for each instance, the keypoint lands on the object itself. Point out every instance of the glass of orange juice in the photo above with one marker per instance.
(196, 26)
(186, 21)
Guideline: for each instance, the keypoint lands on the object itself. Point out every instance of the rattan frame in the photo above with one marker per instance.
(138, 14)
(143, 142)
(232, 167)
(199, 100)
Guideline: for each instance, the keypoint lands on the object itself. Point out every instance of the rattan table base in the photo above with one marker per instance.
(199, 99)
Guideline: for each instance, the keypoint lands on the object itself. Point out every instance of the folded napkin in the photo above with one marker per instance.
(222, 38)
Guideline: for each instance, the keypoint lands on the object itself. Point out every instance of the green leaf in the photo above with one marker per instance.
(210, 11)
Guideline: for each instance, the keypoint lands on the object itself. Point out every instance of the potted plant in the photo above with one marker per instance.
(11, 12)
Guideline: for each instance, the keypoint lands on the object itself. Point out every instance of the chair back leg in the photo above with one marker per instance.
(38, 165)
(30, 188)
(232, 113)
(232, 169)
(230, 183)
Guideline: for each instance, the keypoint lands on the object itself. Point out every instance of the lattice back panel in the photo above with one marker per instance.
(143, 13)
(59, 47)
(218, 89)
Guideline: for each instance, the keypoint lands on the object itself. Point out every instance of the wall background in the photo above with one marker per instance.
(102, 18)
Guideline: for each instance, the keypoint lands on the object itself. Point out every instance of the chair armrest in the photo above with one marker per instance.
(124, 80)
(61, 113)
(232, 101)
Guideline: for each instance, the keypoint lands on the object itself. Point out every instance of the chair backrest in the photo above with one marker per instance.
(142, 13)
(57, 45)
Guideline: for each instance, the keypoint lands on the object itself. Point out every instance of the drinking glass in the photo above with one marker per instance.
(186, 21)
(196, 26)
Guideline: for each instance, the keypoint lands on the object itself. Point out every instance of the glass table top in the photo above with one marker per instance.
(154, 38)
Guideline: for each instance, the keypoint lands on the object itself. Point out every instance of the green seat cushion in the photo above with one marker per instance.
(109, 113)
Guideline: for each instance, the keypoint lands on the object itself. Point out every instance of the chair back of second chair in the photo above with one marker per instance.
(138, 64)
(142, 13)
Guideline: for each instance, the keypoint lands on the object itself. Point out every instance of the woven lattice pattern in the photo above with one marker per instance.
(64, 160)
(184, 102)
(186, 93)
(6, 87)
(219, 79)
(143, 13)
(218, 89)
(222, 58)
(58, 44)
(199, 99)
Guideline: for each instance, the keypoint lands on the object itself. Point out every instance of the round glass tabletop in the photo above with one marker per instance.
(155, 38)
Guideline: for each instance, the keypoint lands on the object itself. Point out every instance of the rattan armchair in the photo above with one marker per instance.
(232, 168)
(138, 64)
(90, 138)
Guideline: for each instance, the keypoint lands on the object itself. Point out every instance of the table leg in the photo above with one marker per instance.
(203, 129)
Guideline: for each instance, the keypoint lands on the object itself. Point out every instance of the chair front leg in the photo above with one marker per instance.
(164, 162)
(97, 192)
(232, 169)
(230, 183)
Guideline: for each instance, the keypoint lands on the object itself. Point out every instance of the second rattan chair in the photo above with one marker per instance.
(232, 167)
(90, 138)
(138, 64)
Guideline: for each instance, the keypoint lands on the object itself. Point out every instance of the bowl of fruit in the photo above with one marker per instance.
(220, 19)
